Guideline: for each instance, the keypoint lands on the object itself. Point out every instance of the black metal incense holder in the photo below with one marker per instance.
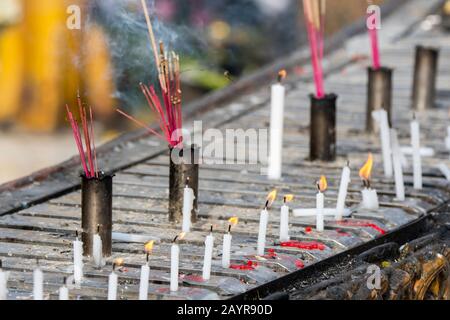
(184, 165)
(379, 94)
(96, 211)
(322, 143)
(425, 73)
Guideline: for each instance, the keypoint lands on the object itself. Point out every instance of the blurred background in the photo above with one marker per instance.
(43, 63)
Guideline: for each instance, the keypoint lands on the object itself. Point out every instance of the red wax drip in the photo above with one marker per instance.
(343, 233)
(194, 277)
(362, 224)
(271, 254)
(248, 266)
(299, 264)
(303, 245)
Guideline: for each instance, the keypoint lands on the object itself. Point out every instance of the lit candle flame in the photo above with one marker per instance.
(323, 184)
(233, 221)
(271, 198)
(179, 236)
(288, 198)
(282, 74)
(117, 263)
(148, 247)
(366, 169)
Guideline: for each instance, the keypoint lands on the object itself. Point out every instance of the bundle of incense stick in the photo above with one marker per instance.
(169, 111)
(314, 11)
(88, 155)
(373, 35)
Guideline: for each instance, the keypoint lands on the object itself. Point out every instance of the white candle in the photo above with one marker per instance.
(276, 131)
(369, 195)
(174, 259)
(444, 170)
(264, 217)
(4, 275)
(319, 215)
(226, 250)
(284, 223)
(343, 187)
(209, 245)
(63, 293)
(417, 160)
(97, 250)
(112, 286)
(311, 212)
(143, 284)
(370, 199)
(398, 169)
(381, 117)
(38, 284)
(188, 205)
(77, 260)
(447, 139)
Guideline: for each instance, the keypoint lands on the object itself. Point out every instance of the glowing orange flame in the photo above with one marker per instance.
(366, 169)
(148, 247)
(180, 236)
(233, 221)
(282, 74)
(118, 262)
(271, 198)
(288, 198)
(323, 184)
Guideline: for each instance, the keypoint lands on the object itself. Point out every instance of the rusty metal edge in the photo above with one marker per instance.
(407, 232)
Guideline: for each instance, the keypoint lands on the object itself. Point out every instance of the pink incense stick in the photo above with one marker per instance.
(168, 107)
(373, 34)
(315, 21)
(316, 60)
(78, 142)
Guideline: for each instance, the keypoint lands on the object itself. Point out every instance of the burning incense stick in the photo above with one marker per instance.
(87, 151)
(314, 11)
(169, 110)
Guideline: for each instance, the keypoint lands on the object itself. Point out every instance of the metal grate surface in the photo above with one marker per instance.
(45, 231)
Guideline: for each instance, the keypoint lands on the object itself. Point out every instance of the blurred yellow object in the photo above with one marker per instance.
(447, 8)
(43, 64)
(11, 71)
(97, 72)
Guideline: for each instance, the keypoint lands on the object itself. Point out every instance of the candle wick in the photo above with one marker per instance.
(98, 229)
(175, 239)
(229, 228)
(148, 255)
(1, 264)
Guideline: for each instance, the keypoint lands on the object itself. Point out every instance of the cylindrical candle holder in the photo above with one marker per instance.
(96, 211)
(184, 165)
(379, 94)
(425, 73)
(322, 141)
